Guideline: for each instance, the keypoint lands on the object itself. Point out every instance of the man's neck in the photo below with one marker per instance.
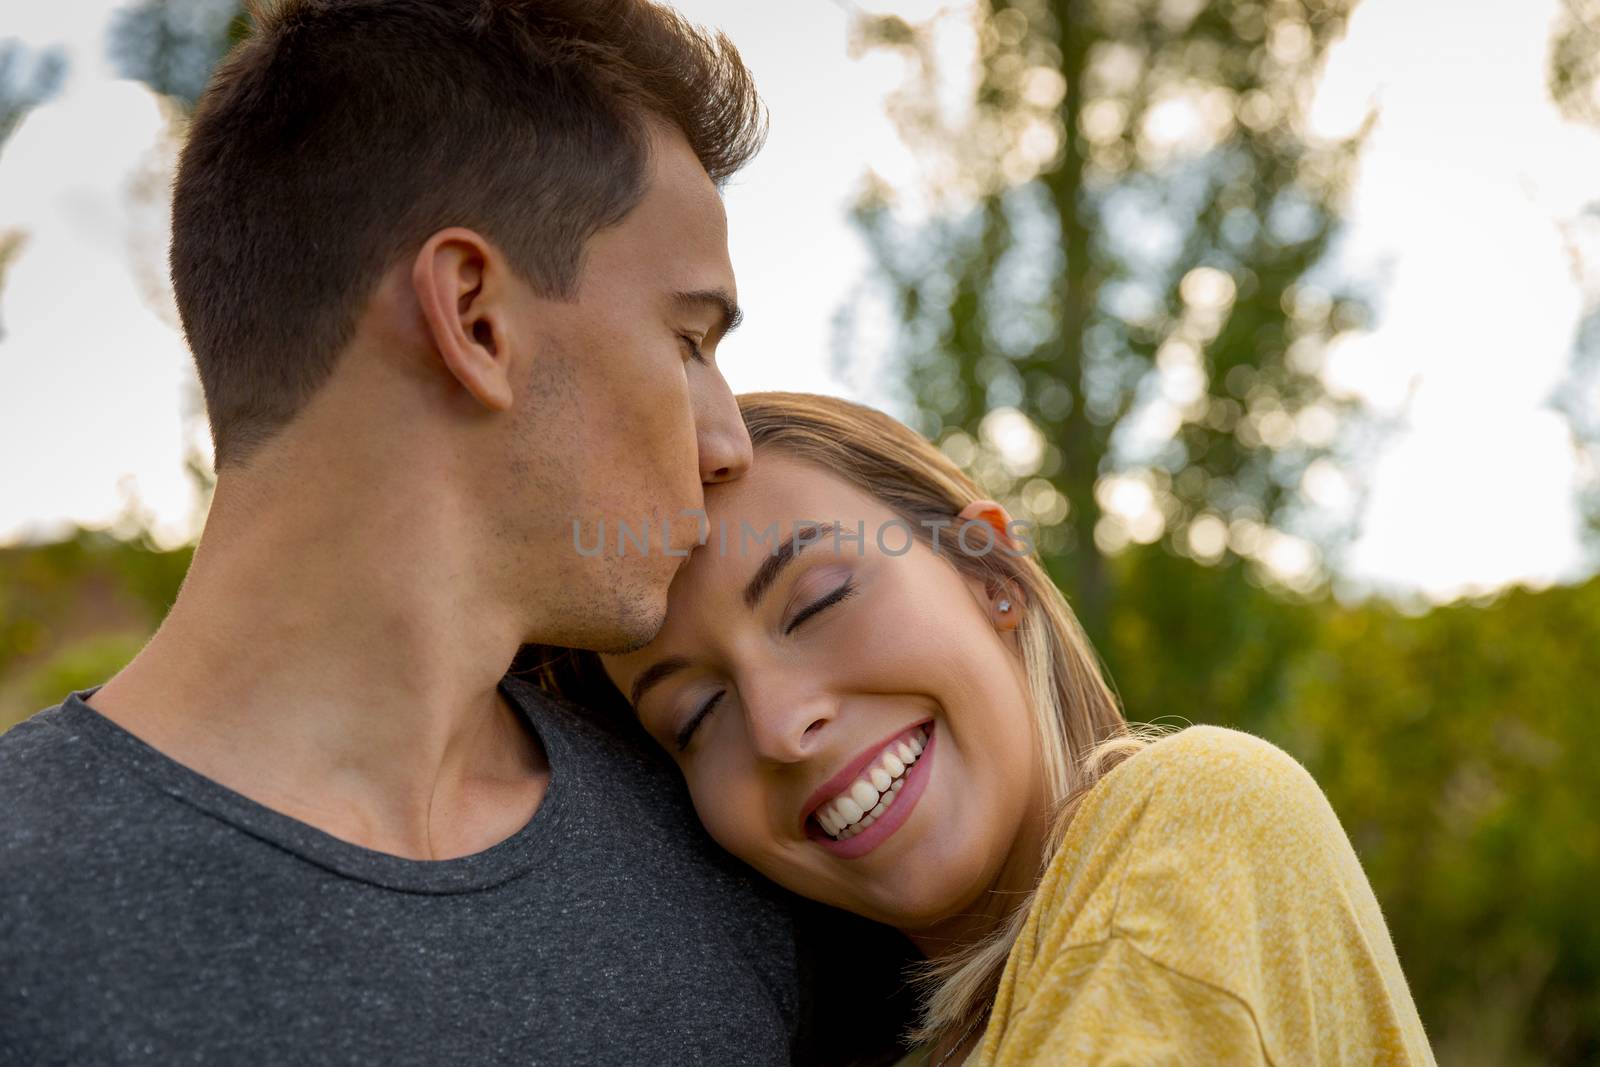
(340, 664)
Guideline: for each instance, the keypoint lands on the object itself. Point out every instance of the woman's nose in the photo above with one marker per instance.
(785, 727)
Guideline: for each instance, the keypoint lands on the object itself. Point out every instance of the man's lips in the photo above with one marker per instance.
(851, 771)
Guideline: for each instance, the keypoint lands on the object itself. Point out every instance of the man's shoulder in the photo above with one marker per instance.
(628, 786)
(43, 728)
(52, 779)
(42, 760)
(629, 800)
(70, 795)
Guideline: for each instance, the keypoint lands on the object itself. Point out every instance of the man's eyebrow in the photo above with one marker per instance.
(656, 672)
(804, 535)
(718, 300)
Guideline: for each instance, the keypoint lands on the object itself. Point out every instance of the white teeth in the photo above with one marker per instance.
(870, 795)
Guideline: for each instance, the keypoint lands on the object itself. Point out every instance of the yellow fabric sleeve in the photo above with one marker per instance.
(1205, 907)
(1119, 1007)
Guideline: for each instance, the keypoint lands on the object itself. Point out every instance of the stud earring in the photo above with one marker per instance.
(1004, 606)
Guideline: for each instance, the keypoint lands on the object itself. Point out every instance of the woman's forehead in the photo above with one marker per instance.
(779, 503)
(778, 492)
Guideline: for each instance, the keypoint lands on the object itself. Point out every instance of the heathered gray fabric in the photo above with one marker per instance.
(150, 915)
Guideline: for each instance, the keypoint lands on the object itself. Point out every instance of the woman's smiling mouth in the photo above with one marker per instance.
(879, 790)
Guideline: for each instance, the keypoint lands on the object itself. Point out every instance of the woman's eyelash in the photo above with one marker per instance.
(693, 724)
(847, 589)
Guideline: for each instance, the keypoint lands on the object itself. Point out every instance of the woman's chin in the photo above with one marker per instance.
(923, 884)
(922, 904)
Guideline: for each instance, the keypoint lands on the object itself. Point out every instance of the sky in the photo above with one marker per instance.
(1463, 221)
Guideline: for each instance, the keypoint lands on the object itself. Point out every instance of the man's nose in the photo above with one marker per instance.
(724, 455)
(724, 443)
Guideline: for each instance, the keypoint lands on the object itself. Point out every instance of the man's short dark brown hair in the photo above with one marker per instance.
(341, 134)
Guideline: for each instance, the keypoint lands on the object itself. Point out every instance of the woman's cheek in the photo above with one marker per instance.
(731, 818)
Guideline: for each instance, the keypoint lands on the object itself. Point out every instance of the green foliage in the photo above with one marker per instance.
(73, 612)
(80, 665)
(1204, 644)
(1458, 748)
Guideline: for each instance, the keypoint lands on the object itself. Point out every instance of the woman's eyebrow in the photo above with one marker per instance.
(805, 535)
(654, 673)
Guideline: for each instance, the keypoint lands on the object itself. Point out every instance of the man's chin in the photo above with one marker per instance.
(635, 625)
(632, 642)
(624, 610)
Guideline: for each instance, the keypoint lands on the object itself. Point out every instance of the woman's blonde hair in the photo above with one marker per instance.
(1080, 727)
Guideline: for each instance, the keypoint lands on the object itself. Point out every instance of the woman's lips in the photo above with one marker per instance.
(892, 819)
(851, 771)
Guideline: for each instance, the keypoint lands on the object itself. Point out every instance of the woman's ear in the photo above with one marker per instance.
(996, 518)
(458, 281)
(1007, 605)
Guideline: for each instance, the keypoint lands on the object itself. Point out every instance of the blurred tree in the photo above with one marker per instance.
(1113, 313)
(171, 45)
(1575, 60)
(1574, 81)
(1578, 398)
(27, 79)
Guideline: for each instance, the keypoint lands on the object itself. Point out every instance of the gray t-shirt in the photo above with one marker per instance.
(148, 914)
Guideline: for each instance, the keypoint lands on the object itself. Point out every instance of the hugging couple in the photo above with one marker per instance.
(455, 274)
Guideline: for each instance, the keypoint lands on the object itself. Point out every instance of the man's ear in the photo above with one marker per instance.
(997, 518)
(460, 281)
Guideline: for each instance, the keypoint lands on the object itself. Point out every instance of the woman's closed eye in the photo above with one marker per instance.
(686, 733)
(846, 588)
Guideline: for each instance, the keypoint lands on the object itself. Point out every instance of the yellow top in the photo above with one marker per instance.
(1205, 908)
